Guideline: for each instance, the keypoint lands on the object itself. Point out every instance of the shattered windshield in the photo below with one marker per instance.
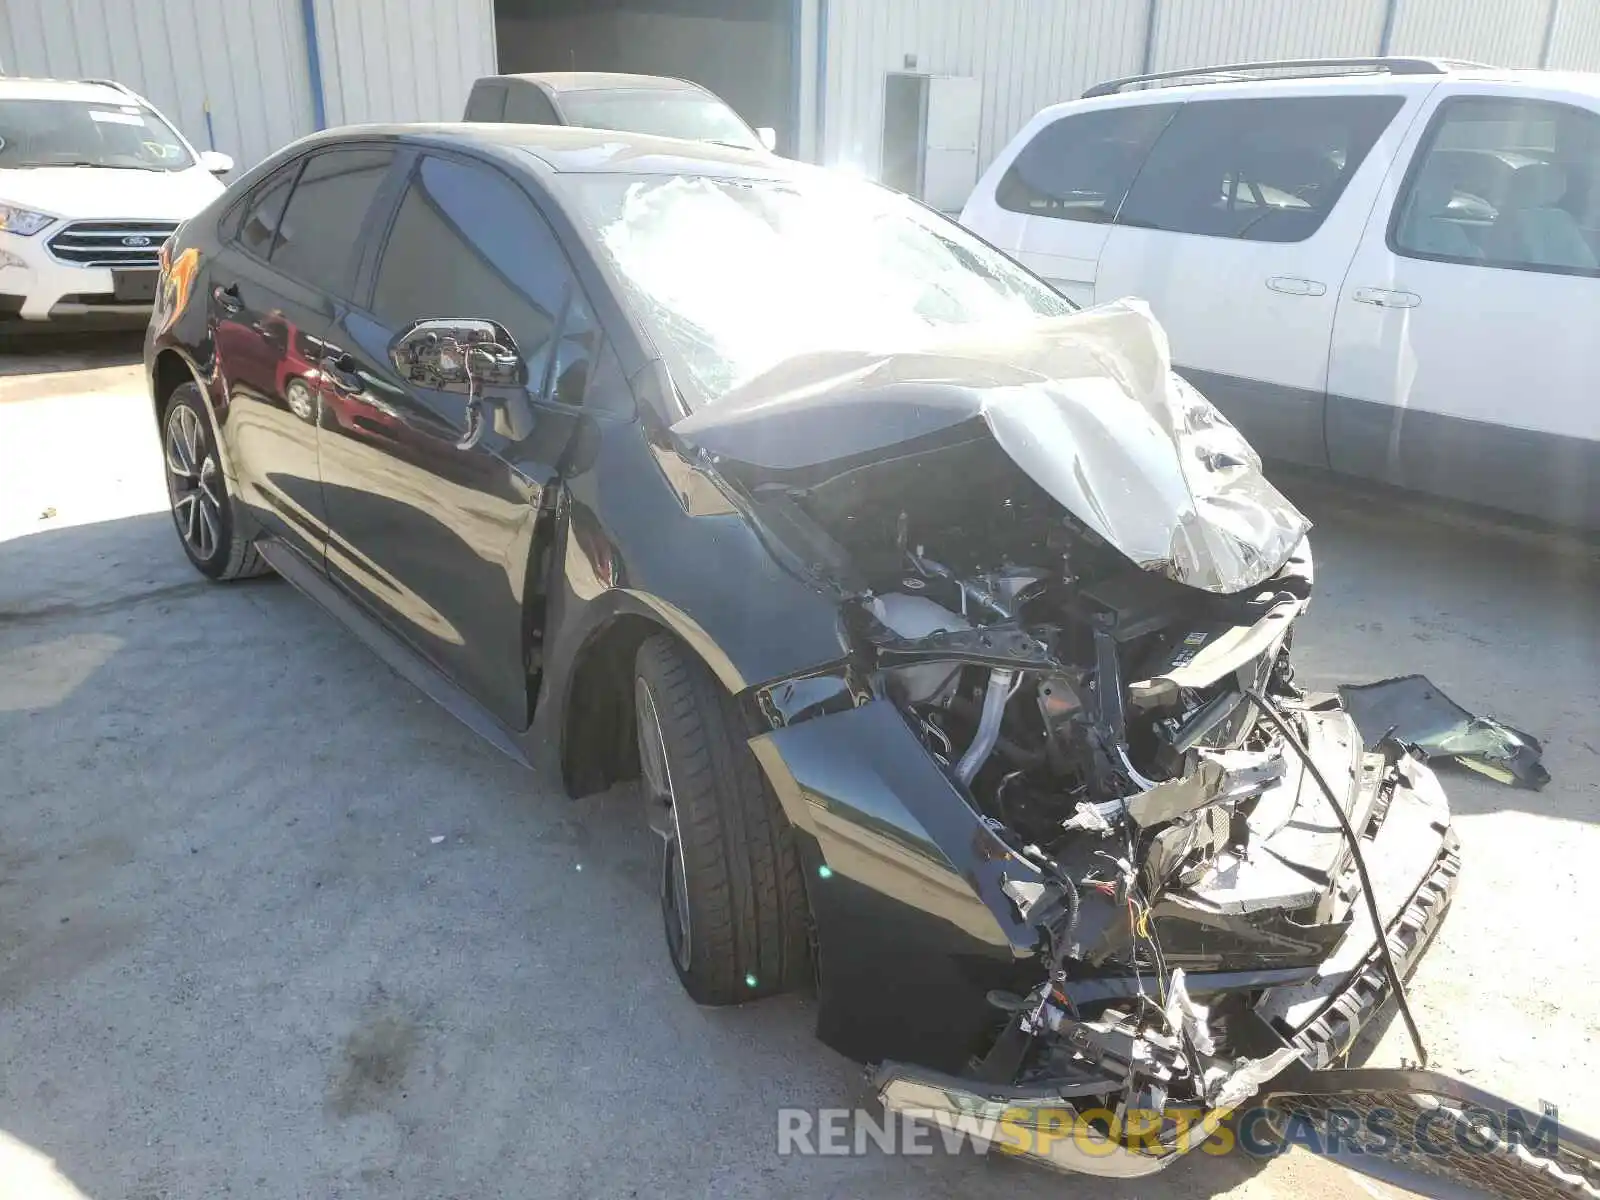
(77, 133)
(738, 275)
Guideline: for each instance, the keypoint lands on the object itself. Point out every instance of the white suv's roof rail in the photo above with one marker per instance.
(1292, 68)
(112, 83)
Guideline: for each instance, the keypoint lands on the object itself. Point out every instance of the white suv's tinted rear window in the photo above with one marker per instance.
(1264, 170)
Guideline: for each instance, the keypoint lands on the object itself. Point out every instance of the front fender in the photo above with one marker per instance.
(624, 547)
(906, 884)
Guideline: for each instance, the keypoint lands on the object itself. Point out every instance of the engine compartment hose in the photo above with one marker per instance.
(1270, 712)
(994, 708)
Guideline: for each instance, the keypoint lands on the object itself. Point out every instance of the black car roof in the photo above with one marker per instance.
(598, 81)
(573, 148)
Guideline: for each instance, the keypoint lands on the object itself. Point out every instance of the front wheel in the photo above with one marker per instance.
(732, 899)
(301, 399)
(202, 509)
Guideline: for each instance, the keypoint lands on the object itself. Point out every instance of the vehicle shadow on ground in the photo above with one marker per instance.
(23, 352)
(89, 569)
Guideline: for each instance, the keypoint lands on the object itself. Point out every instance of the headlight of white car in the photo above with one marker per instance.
(22, 221)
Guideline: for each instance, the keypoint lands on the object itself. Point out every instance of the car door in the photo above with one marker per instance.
(1463, 360)
(273, 295)
(1051, 206)
(1238, 230)
(432, 530)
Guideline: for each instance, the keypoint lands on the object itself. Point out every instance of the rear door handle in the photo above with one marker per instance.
(341, 373)
(227, 295)
(1385, 298)
(1293, 285)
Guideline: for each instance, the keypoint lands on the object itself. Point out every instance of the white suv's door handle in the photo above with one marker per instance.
(1292, 285)
(1385, 298)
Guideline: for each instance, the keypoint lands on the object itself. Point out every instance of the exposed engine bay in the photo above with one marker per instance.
(1100, 717)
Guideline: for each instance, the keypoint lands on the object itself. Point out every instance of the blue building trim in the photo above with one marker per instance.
(1152, 18)
(319, 107)
(796, 57)
(1550, 24)
(821, 99)
(1390, 12)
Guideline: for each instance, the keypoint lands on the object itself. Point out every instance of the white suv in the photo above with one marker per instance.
(1386, 267)
(92, 181)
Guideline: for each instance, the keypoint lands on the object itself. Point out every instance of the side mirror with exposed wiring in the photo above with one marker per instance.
(474, 358)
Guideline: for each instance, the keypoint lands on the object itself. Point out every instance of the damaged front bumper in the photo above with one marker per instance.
(1266, 1033)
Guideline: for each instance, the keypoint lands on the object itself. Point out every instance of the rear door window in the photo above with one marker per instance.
(323, 224)
(1507, 183)
(1267, 170)
(1078, 168)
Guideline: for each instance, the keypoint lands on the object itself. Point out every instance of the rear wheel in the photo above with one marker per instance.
(202, 509)
(301, 400)
(732, 900)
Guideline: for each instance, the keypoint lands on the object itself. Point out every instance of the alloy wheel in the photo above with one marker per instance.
(301, 402)
(662, 810)
(193, 483)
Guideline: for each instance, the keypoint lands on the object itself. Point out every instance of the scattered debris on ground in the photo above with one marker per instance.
(1413, 710)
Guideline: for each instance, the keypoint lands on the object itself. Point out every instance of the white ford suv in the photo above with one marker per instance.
(92, 181)
(1386, 267)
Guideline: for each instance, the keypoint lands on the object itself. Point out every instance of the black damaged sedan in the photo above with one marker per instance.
(945, 629)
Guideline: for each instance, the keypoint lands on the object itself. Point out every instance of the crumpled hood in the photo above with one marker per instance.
(1087, 405)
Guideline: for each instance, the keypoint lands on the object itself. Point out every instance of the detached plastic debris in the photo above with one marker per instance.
(1414, 711)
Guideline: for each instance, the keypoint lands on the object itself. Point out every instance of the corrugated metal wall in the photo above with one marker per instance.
(1576, 45)
(402, 60)
(1195, 33)
(245, 64)
(1507, 33)
(1027, 53)
(1030, 53)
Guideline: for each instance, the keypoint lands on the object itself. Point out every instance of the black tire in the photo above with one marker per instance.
(747, 933)
(202, 507)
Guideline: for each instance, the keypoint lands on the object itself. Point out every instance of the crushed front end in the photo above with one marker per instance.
(1188, 878)
(1069, 820)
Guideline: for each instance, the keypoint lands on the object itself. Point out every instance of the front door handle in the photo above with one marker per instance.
(1293, 285)
(227, 296)
(341, 374)
(1385, 298)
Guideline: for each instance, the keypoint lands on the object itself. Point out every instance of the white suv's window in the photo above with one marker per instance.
(1078, 168)
(1267, 170)
(1507, 183)
(79, 133)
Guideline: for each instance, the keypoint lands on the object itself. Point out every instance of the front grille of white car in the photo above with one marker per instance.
(111, 243)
